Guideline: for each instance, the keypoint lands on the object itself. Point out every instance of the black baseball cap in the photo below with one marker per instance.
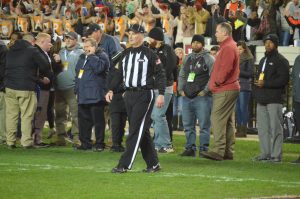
(136, 28)
(273, 38)
(92, 28)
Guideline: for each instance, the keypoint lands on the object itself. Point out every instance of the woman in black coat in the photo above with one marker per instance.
(246, 74)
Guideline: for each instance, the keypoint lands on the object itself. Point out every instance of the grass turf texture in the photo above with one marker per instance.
(62, 172)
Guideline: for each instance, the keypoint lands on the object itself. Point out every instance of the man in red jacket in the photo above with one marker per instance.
(225, 87)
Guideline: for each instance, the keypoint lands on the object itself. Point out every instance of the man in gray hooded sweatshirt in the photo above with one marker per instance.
(197, 102)
(64, 88)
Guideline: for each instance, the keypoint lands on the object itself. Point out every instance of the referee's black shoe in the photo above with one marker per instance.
(152, 169)
(119, 170)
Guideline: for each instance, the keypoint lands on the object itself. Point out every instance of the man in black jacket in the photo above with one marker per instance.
(3, 51)
(166, 54)
(271, 80)
(43, 44)
(23, 63)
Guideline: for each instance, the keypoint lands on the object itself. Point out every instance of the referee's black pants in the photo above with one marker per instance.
(139, 106)
(90, 115)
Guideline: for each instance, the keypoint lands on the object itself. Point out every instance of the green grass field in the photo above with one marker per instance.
(65, 173)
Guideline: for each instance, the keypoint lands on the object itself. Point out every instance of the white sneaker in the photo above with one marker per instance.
(166, 150)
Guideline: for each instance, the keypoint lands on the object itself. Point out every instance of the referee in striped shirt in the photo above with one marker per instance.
(139, 67)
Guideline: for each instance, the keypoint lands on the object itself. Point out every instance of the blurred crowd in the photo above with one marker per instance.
(251, 20)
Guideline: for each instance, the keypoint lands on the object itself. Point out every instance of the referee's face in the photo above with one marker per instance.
(135, 39)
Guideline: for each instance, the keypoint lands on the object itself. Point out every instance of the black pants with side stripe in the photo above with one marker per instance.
(139, 106)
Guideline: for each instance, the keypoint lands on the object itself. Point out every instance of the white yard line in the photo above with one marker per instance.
(21, 167)
(232, 179)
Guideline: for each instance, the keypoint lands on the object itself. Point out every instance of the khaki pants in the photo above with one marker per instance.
(2, 118)
(62, 100)
(16, 102)
(222, 120)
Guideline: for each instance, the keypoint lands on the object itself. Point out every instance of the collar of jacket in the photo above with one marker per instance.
(77, 46)
(39, 48)
(272, 53)
(226, 41)
(103, 38)
(156, 50)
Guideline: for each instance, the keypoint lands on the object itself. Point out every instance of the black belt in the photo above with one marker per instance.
(136, 88)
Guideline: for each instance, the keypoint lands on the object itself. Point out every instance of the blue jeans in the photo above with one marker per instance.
(177, 105)
(285, 38)
(242, 108)
(160, 124)
(193, 109)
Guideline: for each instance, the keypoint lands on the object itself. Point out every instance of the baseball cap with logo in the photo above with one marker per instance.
(72, 35)
(136, 28)
(92, 28)
(273, 38)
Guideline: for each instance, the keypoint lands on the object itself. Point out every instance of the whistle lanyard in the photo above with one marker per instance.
(81, 71)
(264, 66)
(262, 75)
(67, 55)
(84, 62)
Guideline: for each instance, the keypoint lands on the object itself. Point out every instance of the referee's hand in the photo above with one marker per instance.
(109, 95)
(160, 101)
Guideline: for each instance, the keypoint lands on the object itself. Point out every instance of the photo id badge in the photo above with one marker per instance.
(191, 77)
(261, 76)
(66, 65)
(80, 73)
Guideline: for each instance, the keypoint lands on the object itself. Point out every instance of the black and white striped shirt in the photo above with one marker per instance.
(140, 68)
